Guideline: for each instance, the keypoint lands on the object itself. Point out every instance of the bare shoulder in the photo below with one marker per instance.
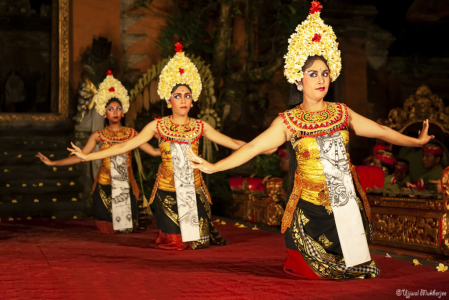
(151, 126)
(206, 126)
(278, 121)
(95, 136)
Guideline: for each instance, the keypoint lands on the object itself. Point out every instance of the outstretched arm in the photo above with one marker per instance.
(224, 140)
(144, 136)
(88, 148)
(367, 128)
(145, 147)
(221, 139)
(271, 138)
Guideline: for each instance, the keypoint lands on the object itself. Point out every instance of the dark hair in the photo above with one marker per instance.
(178, 85)
(112, 100)
(296, 98)
(390, 168)
(403, 161)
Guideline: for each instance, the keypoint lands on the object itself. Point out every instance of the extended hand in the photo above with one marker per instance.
(199, 163)
(45, 160)
(424, 137)
(78, 152)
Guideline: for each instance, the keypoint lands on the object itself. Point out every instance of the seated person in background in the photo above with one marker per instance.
(385, 160)
(369, 160)
(414, 157)
(431, 159)
(399, 177)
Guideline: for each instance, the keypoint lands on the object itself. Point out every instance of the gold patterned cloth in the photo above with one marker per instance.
(308, 221)
(170, 132)
(164, 191)
(310, 182)
(109, 138)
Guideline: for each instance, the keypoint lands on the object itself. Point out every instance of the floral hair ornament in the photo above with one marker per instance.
(111, 88)
(179, 70)
(312, 37)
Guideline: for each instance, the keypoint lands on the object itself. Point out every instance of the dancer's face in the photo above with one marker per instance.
(316, 81)
(181, 100)
(114, 112)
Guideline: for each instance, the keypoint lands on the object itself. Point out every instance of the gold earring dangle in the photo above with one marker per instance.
(191, 105)
(169, 105)
(300, 87)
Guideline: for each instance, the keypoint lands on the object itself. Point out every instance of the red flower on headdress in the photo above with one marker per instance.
(181, 71)
(109, 73)
(112, 89)
(315, 7)
(316, 38)
(179, 47)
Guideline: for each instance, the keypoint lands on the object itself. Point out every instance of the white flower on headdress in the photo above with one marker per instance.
(179, 70)
(111, 88)
(312, 37)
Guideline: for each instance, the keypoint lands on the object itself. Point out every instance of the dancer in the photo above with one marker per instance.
(115, 190)
(182, 200)
(325, 223)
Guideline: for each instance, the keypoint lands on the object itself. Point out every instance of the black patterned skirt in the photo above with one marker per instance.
(314, 247)
(102, 204)
(168, 223)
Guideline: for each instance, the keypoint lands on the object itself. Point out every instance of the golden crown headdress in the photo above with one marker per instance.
(111, 88)
(312, 37)
(179, 70)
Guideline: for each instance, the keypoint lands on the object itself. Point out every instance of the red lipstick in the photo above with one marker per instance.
(321, 88)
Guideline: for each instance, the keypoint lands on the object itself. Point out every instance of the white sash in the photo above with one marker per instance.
(185, 193)
(121, 198)
(343, 199)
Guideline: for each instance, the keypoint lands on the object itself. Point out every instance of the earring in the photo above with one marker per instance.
(300, 87)
(191, 105)
(169, 105)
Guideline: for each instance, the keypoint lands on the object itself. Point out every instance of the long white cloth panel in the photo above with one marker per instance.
(185, 193)
(343, 199)
(121, 198)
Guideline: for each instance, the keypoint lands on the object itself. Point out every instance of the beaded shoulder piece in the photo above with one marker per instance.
(312, 124)
(110, 137)
(176, 133)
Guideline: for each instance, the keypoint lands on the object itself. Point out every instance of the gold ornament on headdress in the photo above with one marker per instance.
(312, 37)
(111, 88)
(179, 70)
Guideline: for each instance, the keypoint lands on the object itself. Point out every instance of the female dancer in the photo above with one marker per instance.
(182, 200)
(326, 225)
(115, 190)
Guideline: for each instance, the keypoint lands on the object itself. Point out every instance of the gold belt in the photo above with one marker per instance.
(300, 184)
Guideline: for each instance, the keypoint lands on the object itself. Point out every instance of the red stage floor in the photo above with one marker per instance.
(68, 259)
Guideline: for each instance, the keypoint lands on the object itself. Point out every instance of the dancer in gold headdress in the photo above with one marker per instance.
(182, 200)
(327, 218)
(115, 190)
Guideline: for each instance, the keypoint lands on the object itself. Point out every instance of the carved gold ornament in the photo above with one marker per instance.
(417, 108)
